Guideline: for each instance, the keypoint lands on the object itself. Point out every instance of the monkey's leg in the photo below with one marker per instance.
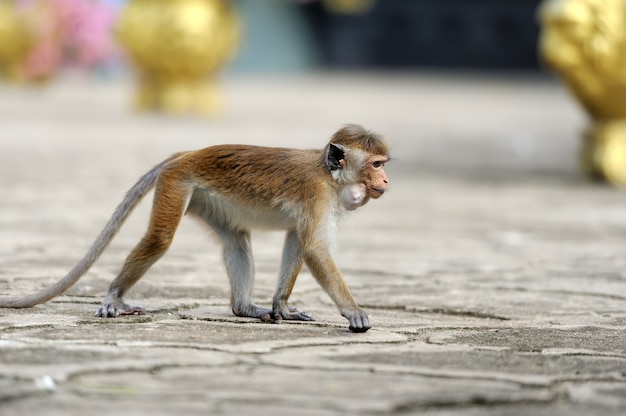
(240, 268)
(291, 264)
(169, 206)
(327, 274)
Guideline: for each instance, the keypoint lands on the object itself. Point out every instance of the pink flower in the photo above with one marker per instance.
(69, 32)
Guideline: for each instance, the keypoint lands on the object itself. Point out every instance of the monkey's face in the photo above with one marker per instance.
(376, 180)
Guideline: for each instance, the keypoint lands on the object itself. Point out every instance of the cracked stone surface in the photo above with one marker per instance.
(494, 274)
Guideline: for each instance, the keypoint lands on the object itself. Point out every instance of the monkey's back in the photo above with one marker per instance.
(244, 184)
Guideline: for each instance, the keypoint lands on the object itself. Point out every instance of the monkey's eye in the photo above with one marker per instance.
(378, 164)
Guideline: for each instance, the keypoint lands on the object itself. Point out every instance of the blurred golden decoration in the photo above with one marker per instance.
(349, 6)
(15, 40)
(178, 47)
(585, 42)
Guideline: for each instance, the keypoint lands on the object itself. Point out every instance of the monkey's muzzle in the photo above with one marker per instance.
(375, 192)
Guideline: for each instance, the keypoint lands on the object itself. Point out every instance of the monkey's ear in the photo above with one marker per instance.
(334, 156)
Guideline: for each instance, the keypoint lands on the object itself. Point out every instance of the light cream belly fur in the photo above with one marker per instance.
(217, 209)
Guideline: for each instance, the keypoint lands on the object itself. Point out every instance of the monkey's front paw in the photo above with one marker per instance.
(110, 310)
(291, 314)
(359, 321)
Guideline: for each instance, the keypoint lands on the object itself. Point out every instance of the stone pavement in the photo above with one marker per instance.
(494, 274)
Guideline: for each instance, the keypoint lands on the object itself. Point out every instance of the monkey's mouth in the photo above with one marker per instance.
(375, 192)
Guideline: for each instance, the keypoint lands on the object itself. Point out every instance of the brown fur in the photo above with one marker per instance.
(233, 188)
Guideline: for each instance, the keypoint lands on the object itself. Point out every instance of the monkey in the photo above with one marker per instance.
(234, 189)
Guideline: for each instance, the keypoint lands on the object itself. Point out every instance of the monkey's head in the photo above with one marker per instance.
(356, 158)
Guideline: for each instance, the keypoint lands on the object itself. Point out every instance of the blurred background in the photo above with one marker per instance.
(458, 85)
(282, 35)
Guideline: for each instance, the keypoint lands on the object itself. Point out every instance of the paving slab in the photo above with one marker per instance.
(493, 272)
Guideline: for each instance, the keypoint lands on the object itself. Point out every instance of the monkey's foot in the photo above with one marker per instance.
(291, 314)
(115, 309)
(359, 321)
(253, 311)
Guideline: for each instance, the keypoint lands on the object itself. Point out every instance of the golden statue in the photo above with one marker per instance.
(177, 47)
(585, 42)
(15, 40)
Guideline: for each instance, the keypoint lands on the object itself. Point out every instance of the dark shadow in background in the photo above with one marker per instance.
(465, 34)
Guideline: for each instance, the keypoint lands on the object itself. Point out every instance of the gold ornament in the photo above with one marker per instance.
(585, 42)
(177, 47)
(15, 40)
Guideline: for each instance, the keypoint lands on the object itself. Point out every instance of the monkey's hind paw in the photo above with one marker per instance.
(110, 310)
(253, 311)
(292, 314)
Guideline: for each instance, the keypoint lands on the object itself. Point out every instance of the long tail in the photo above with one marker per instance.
(132, 199)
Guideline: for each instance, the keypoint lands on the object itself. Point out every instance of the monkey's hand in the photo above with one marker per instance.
(359, 321)
(290, 314)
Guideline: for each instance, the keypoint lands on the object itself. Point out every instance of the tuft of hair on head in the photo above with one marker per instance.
(354, 135)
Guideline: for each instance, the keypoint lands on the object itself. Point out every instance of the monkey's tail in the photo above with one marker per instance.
(124, 209)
